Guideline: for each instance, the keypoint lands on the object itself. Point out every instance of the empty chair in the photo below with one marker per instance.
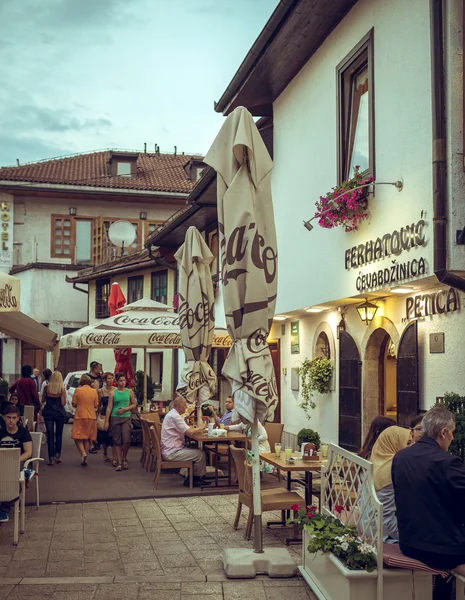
(272, 499)
(274, 432)
(167, 464)
(146, 443)
(12, 486)
(35, 459)
(152, 417)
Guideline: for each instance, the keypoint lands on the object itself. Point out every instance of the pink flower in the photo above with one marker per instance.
(338, 508)
(295, 507)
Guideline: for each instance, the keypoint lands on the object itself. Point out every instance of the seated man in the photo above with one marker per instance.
(226, 418)
(13, 436)
(429, 488)
(173, 446)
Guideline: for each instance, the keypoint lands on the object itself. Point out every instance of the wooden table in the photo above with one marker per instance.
(229, 438)
(308, 466)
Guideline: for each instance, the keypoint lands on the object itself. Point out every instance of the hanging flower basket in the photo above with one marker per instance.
(344, 205)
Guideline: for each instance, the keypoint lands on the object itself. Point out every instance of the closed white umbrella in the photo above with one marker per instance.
(197, 313)
(249, 273)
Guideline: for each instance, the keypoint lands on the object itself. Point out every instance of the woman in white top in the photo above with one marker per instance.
(263, 443)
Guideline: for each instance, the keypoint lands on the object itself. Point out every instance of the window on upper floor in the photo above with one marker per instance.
(356, 111)
(159, 286)
(102, 293)
(62, 237)
(135, 288)
(123, 169)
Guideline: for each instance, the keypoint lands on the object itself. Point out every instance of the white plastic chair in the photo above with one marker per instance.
(29, 415)
(11, 486)
(35, 459)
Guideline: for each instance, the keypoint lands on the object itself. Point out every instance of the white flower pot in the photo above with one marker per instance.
(329, 579)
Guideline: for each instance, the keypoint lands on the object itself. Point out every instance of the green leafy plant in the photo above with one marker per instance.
(4, 387)
(309, 435)
(139, 389)
(456, 405)
(327, 534)
(315, 376)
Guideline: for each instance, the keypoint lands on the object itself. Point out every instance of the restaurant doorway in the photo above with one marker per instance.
(350, 404)
(379, 376)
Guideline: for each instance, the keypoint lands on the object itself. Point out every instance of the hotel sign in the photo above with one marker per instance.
(6, 235)
(390, 244)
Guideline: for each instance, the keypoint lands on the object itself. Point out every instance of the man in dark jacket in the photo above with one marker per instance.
(429, 487)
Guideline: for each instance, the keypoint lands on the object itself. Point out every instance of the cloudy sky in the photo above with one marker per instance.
(83, 75)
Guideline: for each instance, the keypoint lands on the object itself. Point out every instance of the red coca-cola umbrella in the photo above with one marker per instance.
(116, 301)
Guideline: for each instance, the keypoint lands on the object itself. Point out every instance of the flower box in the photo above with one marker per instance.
(329, 579)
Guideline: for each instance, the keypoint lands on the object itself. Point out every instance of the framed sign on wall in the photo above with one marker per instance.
(295, 341)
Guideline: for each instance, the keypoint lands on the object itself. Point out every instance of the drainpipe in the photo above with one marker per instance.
(439, 151)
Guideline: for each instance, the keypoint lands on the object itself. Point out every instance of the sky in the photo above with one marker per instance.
(84, 75)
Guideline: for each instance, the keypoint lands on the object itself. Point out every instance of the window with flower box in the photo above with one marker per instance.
(356, 146)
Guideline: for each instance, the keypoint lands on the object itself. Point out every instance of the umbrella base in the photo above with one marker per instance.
(244, 563)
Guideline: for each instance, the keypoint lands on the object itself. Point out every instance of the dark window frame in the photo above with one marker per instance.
(362, 54)
(102, 310)
(131, 280)
(153, 276)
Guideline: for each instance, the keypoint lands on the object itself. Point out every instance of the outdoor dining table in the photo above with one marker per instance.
(297, 465)
(229, 438)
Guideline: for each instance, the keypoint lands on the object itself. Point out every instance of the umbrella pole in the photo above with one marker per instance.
(145, 377)
(257, 503)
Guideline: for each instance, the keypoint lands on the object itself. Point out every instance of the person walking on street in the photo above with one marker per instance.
(46, 374)
(95, 373)
(119, 410)
(104, 435)
(54, 416)
(85, 400)
(27, 390)
(36, 378)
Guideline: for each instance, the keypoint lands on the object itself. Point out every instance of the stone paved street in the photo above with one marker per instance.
(165, 548)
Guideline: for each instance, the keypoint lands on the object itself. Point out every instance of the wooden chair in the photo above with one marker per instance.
(151, 417)
(29, 415)
(35, 459)
(146, 444)
(168, 464)
(12, 487)
(272, 499)
(275, 433)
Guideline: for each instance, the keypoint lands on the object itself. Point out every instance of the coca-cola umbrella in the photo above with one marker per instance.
(197, 312)
(142, 324)
(116, 302)
(249, 274)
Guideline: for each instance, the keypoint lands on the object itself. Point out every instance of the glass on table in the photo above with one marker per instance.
(288, 453)
(277, 450)
(324, 450)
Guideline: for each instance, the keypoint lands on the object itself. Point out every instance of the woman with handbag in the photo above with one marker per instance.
(54, 416)
(104, 435)
(119, 409)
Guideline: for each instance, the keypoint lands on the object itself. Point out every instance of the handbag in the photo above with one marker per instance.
(100, 422)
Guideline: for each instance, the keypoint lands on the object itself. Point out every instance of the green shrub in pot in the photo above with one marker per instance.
(309, 435)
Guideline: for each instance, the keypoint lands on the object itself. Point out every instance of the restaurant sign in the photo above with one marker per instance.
(390, 244)
(437, 303)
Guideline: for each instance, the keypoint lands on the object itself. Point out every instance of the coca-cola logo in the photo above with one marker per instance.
(164, 320)
(7, 299)
(235, 248)
(165, 339)
(105, 339)
(222, 341)
(256, 342)
(201, 314)
(260, 388)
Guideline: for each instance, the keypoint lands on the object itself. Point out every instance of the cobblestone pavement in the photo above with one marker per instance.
(166, 548)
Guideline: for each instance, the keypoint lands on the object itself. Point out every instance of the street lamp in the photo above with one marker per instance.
(367, 311)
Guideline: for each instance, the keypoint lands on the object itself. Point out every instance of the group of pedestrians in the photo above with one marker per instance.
(103, 416)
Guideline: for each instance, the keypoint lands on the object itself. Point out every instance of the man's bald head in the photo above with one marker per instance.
(179, 404)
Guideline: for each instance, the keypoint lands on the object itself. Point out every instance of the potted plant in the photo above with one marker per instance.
(309, 435)
(344, 205)
(139, 389)
(315, 376)
(4, 387)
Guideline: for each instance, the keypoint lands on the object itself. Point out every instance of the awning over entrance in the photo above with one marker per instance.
(16, 324)
(20, 326)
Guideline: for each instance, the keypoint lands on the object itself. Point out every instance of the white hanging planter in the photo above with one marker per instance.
(329, 579)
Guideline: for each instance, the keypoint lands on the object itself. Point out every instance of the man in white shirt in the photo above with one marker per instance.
(173, 447)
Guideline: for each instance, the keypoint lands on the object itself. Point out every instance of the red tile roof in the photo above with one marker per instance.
(155, 172)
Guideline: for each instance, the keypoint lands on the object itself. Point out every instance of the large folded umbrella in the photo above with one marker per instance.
(197, 312)
(116, 302)
(249, 273)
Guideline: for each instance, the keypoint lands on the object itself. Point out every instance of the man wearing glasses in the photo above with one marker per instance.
(416, 427)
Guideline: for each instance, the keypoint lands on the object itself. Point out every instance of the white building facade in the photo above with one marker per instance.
(369, 91)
